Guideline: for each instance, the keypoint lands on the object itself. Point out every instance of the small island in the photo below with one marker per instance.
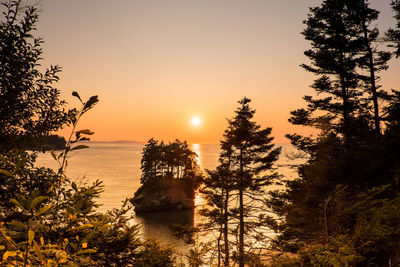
(170, 177)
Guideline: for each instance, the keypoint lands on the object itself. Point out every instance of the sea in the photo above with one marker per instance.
(117, 164)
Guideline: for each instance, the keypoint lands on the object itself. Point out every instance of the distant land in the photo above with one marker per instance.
(119, 141)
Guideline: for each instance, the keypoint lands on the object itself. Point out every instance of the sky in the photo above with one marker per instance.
(155, 64)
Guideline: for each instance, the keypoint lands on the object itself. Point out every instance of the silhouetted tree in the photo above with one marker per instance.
(371, 60)
(245, 172)
(351, 167)
(336, 43)
(30, 104)
(394, 33)
(167, 161)
(218, 191)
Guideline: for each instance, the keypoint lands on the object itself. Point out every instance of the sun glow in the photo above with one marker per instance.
(196, 121)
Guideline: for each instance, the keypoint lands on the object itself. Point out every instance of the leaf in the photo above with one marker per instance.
(37, 249)
(79, 147)
(65, 243)
(9, 254)
(90, 103)
(37, 200)
(5, 172)
(31, 236)
(18, 224)
(73, 185)
(85, 131)
(16, 202)
(75, 93)
(86, 251)
(53, 154)
(43, 210)
(82, 227)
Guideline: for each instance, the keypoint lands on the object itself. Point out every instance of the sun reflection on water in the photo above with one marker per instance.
(196, 149)
(199, 201)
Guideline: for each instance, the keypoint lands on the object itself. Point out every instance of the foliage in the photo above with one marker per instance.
(168, 161)
(344, 205)
(393, 34)
(45, 218)
(153, 254)
(245, 171)
(30, 102)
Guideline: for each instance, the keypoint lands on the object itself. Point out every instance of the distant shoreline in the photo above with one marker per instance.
(118, 141)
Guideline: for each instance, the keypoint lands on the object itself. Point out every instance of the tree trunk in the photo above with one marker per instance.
(241, 229)
(372, 79)
(345, 100)
(226, 239)
(241, 214)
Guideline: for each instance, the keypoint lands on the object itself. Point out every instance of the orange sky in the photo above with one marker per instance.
(156, 63)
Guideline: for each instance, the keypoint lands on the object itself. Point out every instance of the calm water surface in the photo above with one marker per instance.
(118, 166)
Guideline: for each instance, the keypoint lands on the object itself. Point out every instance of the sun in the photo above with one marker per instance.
(195, 121)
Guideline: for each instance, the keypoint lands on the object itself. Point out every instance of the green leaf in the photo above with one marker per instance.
(43, 210)
(31, 236)
(37, 250)
(75, 93)
(5, 172)
(18, 224)
(85, 131)
(16, 202)
(79, 147)
(82, 227)
(37, 201)
(86, 251)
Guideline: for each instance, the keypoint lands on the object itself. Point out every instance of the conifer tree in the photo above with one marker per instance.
(371, 60)
(245, 171)
(346, 163)
(394, 33)
(333, 58)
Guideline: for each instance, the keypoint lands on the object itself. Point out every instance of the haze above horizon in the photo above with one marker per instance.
(156, 64)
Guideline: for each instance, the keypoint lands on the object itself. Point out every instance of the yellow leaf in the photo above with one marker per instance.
(31, 236)
(42, 241)
(9, 254)
(37, 250)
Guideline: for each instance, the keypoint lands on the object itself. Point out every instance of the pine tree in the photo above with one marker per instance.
(371, 60)
(246, 170)
(350, 159)
(394, 33)
(334, 57)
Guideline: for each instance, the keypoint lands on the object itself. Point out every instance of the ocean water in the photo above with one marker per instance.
(118, 166)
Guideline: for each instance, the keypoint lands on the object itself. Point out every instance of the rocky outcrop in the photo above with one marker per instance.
(156, 198)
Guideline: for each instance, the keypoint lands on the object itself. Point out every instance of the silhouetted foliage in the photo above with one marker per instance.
(237, 190)
(30, 104)
(332, 211)
(168, 161)
(394, 33)
(45, 218)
